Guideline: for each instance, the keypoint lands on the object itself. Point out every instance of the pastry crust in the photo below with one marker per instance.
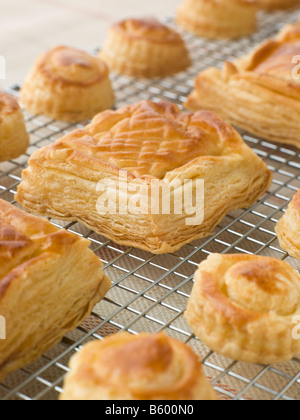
(145, 48)
(243, 306)
(14, 139)
(49, 283)
(146, 143)
(218, 18)
(277, 4)
(69, 85)
(260, 92)
(143, 367)
(288, 228)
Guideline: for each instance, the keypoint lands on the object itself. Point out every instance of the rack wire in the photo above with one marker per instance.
(150, 292)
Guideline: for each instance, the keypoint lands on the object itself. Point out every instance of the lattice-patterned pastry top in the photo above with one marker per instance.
(260, 92)
(49, 283)
(96, 175)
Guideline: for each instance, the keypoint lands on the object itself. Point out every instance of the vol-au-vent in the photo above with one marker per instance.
(50, 282)
(151, 143)
(260, 92)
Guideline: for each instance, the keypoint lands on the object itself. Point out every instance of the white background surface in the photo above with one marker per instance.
(29, 27)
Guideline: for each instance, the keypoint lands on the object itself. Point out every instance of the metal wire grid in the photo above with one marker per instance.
(150, 292)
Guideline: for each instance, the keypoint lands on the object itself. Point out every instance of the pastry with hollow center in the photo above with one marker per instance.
(218, 18)
(143, 367)
(14, 139)
(260, 92)
(277, 4)
(136, 175)
(69, 85)
(49, 283)
(244, 306)
(288, 228)
(145, 48)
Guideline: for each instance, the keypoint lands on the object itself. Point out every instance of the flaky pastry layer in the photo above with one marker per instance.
(288, 228)
(14, 139)
(218, 18)
(243, 306)
(49, 283)
(277, 4)
(148, 142)
(259, 93)
(67, 84)
(143, 367)
(145, 48)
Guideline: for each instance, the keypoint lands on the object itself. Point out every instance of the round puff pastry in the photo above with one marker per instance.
(288, 228)
(49, 283)
(67, 84)
(145, 48)
(243, 306)
(143, 367)
(14, 139)
(218, 18)
(277, 4)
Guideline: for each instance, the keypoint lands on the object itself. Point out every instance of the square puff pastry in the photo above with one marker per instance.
(260, 92)
(148, 142)
(49, 283)
(14, 139)
(142, 367)
(288, 228)
(243, 307)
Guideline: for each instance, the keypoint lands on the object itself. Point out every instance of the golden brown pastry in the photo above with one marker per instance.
(97, 174)
(143, 367)
(277, 4)
(259, 93)
(49, 283)
(14, 139)
(243, 307)
(288, 228)
(145, 48)
(218, 18)
(67, 84)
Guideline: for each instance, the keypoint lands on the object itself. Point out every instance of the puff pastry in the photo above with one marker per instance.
(69, 85)
(277, 4)
(243, 307)
(145, 48)
(14, 139)
(218, 18)
(143, 367)
(49, 283)
(288, 228)
(259, 93)
(150, 145)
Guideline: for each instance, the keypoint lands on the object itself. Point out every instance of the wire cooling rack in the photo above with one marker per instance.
(150, 292)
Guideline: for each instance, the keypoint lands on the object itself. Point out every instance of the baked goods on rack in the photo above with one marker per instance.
(14, 139)
(69, 85)
(49, 283)
(243, 306)
(288, 228)
(125, 176)
(218, 18)
(143, 367)
(260, 92)
(145, 48)
(277, 4)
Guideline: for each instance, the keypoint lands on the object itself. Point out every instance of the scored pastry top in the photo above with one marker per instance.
(149, 29)
(71, 66)
(148, 139)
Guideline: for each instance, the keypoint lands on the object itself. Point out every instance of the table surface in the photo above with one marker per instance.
(33, 26)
